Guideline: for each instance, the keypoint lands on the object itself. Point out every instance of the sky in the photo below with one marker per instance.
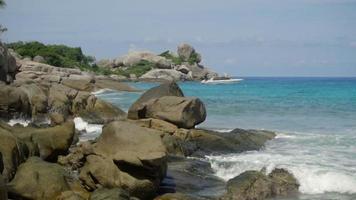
(239, 37)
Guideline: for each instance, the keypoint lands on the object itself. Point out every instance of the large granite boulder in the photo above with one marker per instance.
(39, 59)
(165, 74)
(8, 65)
(255, 185)
(48, 143)
(136, 150)
(3, 190)
(137, 109)
(37, 98)
(13, 153)
(102, 112)
(135, 57)
(238, 140)
(37, 179)
(185, 51)
(13, 101)
(109, 194)
(103, 171)
(181, 111)
(80, 82)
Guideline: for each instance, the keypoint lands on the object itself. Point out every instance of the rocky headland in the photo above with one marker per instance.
(152, 152)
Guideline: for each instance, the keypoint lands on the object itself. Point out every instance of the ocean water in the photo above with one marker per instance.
(315, 119)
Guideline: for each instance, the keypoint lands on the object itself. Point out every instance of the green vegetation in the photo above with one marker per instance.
(73, 57)
(139, 69)
(194, 58)
(56, 55)
(175, 59)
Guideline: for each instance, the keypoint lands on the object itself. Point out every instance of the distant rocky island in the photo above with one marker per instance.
(152, 152)
(183, 65)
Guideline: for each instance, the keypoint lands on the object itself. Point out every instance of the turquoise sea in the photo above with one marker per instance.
(315, 119)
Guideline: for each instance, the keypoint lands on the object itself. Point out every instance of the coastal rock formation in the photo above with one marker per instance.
(3, 190)
(13, 153)
(109, 194)
(185, 51)
(131, 145)
(165, 74)
(181, 66)
(254, 185)
(181, 111)
(166, 102)
(37, 179)
(8, 66)
(137, 109)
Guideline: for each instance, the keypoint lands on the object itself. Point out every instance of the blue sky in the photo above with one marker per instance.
(240, 37)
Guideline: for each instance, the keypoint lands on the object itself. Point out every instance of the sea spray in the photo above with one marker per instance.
(89, 131)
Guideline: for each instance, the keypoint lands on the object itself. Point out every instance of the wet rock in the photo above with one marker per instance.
(175, 196)
(239, 140)
(255, 185)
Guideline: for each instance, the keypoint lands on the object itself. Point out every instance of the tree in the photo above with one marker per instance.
(2, 3)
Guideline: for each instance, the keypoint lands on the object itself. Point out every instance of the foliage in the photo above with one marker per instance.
(2, 3)
(139, 69)
(175, 59)
(194, 58)
(56, 55)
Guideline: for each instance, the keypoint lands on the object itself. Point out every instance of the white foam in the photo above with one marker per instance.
(284, 136)
(314, 176)
(91, 130)
(101, 91)
(23, 122)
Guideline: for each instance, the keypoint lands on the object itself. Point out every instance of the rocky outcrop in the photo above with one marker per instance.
(125, 156)
(47, 143)
(8, 66)
(39, 59)
(37, 179)
(3, 189)
(181, 111)
(185, 51)
(109, 194)
(165, 74)
(181, 66)
(238, 140)
(135, 57)
(137, 109)
(254, 185)
(133, 147)
(13, 153)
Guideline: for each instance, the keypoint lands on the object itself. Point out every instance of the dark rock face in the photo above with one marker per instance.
(192, 177)
(137, 109)
(18, 143)
(3, 190)
(238, 140)
(254, 185)
(125, 156)
(36, 179)
(109, 194)
(8, 65)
